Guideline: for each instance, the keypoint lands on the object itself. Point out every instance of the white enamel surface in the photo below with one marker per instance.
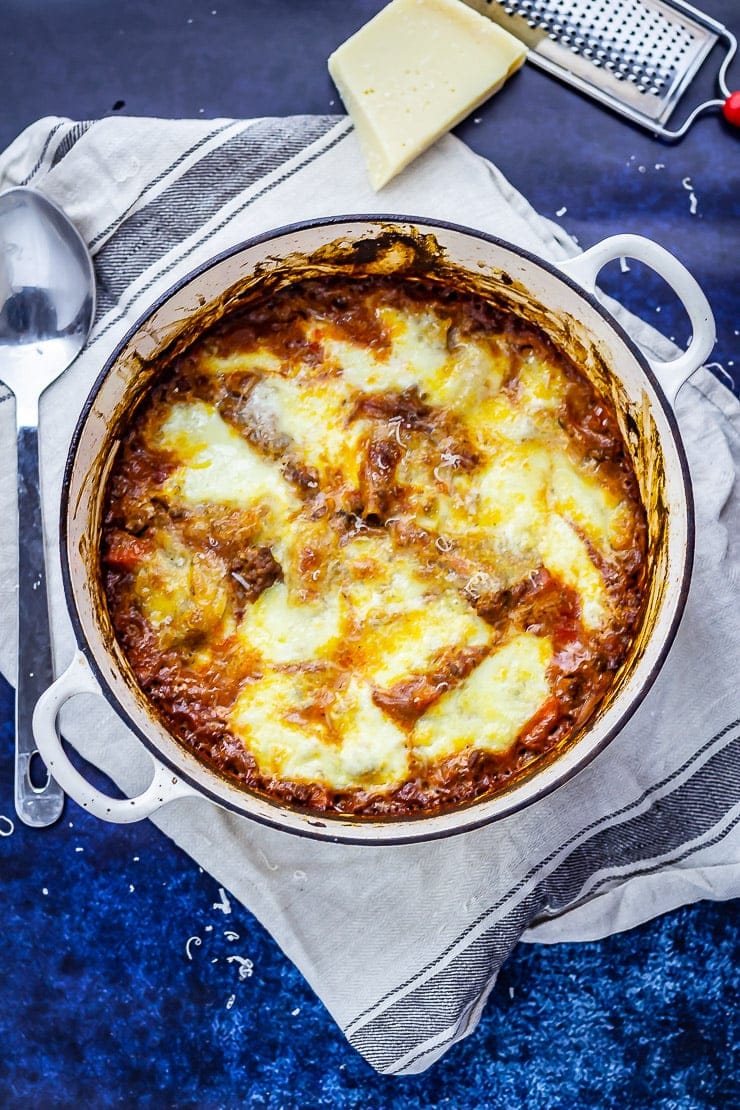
(164, 787)
(672, 373)
(85, 488)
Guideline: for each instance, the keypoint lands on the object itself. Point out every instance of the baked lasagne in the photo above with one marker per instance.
(374, 546)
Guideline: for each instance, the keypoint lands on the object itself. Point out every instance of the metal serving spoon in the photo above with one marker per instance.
(47, 304)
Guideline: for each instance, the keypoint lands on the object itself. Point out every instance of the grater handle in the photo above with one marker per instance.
(671, 373)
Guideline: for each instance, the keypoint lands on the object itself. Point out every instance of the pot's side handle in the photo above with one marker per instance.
(671, 374)
(164, 787)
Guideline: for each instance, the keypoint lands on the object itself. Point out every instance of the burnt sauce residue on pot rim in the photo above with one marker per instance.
(409, 254)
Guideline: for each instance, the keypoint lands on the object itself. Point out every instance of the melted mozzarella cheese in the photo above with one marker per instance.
(260, 361)
(266, 718)
(472, 373)
(180, 592)
(541, 385)
(497, 419)
(284, 629)
(524, 498)
(217, 465)
(439, 495)
(314, 415)
(566, 557)
(418, 353)
(374, 749)
(456, 377)
(512, 497)
(378, 579)
(581, 498)
(402, 619)
(491, 706)
(351, 743)
(407, 642)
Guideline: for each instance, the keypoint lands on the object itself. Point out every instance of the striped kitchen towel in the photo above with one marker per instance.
(402, 943)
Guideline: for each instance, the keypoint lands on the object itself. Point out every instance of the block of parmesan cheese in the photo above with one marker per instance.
(413, 72)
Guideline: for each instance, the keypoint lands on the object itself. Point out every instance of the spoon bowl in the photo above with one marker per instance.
(47, 306)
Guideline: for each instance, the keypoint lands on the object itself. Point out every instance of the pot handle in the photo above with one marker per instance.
(671, 373)
(164, 787)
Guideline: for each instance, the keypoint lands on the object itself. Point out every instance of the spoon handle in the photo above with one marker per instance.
(35, 805)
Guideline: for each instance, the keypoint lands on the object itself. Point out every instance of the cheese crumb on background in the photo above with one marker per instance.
(413, 72)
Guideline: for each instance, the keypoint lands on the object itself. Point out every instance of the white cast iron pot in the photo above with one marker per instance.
(560, 299)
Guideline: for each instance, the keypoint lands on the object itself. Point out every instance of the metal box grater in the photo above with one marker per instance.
(635, 56)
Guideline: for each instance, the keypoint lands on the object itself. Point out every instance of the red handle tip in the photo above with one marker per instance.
(731, 109)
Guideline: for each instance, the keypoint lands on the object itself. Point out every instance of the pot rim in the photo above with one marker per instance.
(407, 823)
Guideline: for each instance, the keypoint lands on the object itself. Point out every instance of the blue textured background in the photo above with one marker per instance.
(99, 1004)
